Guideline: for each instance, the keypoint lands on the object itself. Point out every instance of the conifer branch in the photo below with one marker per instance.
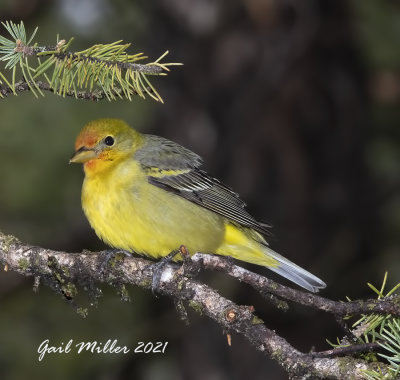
(101, 71)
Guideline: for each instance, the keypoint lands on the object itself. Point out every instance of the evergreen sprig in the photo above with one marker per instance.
(383, 329)
(103, 70)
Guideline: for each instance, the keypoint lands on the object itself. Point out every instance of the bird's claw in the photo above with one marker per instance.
(108, 255)
(159, 266)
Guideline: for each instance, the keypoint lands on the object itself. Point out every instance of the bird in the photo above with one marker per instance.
(149, 195)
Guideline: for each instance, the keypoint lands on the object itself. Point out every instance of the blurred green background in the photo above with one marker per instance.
(294, 104)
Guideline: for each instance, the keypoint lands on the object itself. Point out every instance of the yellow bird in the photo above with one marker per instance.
(148, 195)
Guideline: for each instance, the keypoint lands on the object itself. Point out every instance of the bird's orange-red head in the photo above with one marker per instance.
(88, 137)
(103, 142)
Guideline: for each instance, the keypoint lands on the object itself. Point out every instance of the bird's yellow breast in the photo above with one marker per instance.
(129, 213)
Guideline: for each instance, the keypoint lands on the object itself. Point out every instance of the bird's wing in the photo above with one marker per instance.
(160, 153)
(176, 169)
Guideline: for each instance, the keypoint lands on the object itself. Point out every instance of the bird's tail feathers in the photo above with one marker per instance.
(248, 245)
(294, 273)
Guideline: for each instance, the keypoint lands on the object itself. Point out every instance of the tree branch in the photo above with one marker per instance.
(65, 272)
(389, 305)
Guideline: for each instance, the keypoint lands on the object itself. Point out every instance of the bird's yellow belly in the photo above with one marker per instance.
(149, 220)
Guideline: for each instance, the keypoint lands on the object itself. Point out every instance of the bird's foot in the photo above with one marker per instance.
(159, 266)
(110, 254)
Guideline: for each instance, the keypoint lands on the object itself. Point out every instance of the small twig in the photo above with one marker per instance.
(24, 86)
(347, 350)
(146, 69)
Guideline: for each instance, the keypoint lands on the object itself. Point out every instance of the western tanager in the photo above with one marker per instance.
(147, 194)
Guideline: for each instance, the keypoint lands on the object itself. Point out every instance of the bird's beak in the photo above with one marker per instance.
(82, 155)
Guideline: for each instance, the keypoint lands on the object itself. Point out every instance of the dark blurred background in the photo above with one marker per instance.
(294, 104)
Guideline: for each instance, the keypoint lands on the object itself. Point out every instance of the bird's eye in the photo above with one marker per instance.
(109, 141)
